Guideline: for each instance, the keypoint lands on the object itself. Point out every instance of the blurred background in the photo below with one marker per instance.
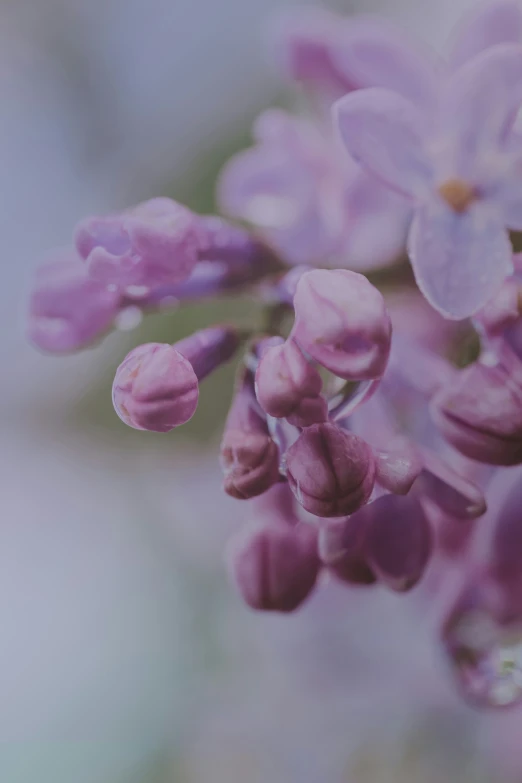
(124, 656)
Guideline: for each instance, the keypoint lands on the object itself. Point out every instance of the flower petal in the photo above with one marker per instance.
(480, 108)
(383, 132)
(373, 52)
(510, 199)
(460, 260)
(490, 24)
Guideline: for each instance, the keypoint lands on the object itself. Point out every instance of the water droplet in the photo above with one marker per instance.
(128, 319)
(486, 657)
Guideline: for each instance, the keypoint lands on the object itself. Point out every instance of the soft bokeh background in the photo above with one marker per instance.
(124, 657)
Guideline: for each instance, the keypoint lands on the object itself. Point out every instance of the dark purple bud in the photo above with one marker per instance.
(342, 322)
(342, 549)
(249, 456)
(480, 414)
(68, 310)
(398, 540)
(274, 567)
(287, 386)
(331, 472)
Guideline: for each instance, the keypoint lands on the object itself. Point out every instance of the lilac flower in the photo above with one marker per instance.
(335, 55)
(249, 456)
(457, 169)
(68, 310)
(389, 540)
(342, 322)
(156, 386)
(274, 561)
(308, 200)
(331, 472)
(492, 22)
(288, 386)
(150, 245)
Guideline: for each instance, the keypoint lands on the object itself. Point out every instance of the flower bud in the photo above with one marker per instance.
(274, 566)
(398, 540)
(155, 388)
(341, 549)
(68, 310)
(249, 456)
(480, 414)
(342, 322)
(152, 244)
(287, 386)
(331, 472)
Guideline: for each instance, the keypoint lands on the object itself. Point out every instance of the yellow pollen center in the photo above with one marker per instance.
(458, 194)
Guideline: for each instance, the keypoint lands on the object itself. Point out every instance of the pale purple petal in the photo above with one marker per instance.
(479, 108)
(284, 196)
(376, 224)
(383, 132)
(491, 23)
(460, 260)
(372, 52)
(509, 197)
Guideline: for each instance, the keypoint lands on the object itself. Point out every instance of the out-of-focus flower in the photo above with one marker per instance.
(69, 310)
(150, 245)
(308, 200)
(458, 170)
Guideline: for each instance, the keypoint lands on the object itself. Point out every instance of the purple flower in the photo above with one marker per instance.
(68, 310)
(331, 472)
(156, 386)
(457, 168)
(249, 456)
(274, 563)
(480, 414)
(308, 200)
(492, 22)
(288, 386)
(342, 322)
(152, 244)
(335, 55)
(341, 546)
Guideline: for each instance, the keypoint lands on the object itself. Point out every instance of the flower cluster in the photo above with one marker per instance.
(362, 434)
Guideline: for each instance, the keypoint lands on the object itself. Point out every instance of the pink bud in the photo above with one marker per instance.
(155, 388)
(342, 322)
(249, 456)
(341, 548)
(287, 386)
(398, 540)
(480, 414)
(68, 310)
(274, 566)
(331, 472)
(399, 467)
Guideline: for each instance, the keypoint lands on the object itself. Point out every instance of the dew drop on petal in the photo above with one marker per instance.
(129, 318)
